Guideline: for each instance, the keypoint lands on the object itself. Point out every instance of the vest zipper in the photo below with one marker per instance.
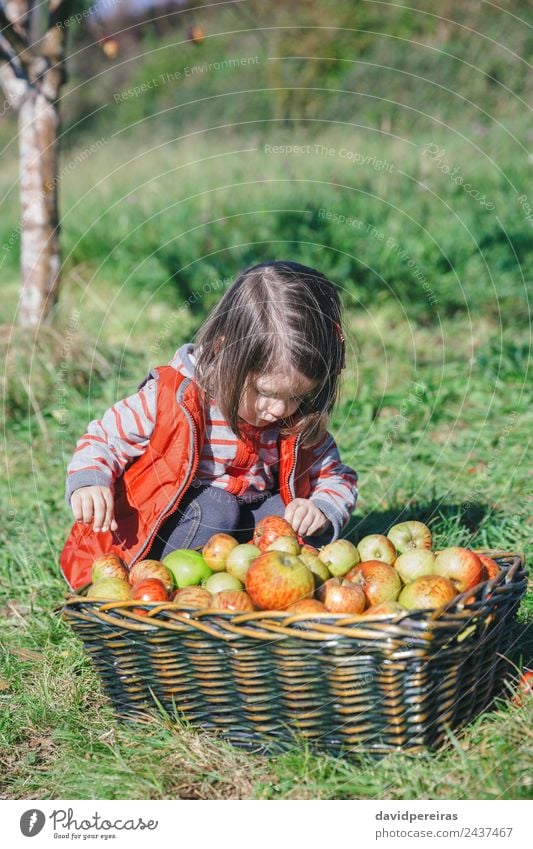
(173, 504)
(290, 477)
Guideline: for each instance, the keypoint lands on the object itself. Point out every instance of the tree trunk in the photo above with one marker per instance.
(40, 252)
(32, 52)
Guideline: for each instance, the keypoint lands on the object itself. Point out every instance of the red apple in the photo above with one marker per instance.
(490, 567)
(339, 556)
(239, 560)
(379, 581)
(524, 689)
(152, 569)
(412, 534)
(222, 581)
(275, 580)
(110, 589)
(149, 589)
(236, 600)
(269, 529)
(193, 597)
(310, 606)
(109, 566)
(287, 544)
(377, 547)
(415, 563)
(341, 596)
(385, 608)
(427, 593)
(461, 566)
(216, 551)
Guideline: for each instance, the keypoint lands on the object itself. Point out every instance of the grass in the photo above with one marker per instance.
(435, 413)
(456, 459)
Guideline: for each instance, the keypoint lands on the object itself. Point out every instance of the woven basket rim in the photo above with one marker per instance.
(271, 624)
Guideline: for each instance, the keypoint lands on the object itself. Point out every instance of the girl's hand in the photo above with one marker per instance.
(94, 503)
(306, 519)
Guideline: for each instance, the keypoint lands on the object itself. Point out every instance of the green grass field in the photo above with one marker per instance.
(435, 413)
(458, 445)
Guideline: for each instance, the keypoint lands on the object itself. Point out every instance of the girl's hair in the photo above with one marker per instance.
(275, 316)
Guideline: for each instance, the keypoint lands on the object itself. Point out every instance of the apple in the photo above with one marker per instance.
(193, 597)
(309, 549)
(275, 580)
(287, 544)
(187, 566)
(149, 589)
(320, 570)
(222, 581)
(307, 605)
(341, 596)
(152, 569)
(415, 563)
(524, 689)
(409, 535)
(110, 589)
(216, 551)
(109, 566)
(339, 556)
(426, 593)
(385, 608)
(462, 566)
(236, 600)
(490, 567)
(379, 581)
(239, 560)
(269, 528)
(377, 547)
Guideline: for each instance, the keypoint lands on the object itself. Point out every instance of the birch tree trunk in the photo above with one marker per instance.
(31, 72)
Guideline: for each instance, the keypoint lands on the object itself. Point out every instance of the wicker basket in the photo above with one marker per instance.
(344, 684)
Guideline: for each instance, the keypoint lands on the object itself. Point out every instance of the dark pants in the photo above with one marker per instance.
(209, 510)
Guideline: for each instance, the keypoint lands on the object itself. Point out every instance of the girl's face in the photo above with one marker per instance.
(270, 397)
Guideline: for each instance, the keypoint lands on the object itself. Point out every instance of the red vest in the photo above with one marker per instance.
(152, 487)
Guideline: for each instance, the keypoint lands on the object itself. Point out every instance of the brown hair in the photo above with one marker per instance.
(275, 315)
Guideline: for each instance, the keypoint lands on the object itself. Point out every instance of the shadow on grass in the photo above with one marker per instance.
(432, 513)
(521, 653)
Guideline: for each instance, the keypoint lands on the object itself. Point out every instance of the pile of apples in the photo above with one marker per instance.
(382, 575)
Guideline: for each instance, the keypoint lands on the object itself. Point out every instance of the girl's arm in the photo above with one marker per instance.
(333, 485)
(114, 441)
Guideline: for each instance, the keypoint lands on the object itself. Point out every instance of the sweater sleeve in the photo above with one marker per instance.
(113, 442)
(333, 485)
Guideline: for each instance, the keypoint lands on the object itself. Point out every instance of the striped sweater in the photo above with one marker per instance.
(245, 467)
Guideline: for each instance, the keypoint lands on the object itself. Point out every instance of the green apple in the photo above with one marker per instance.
(287, 544)
(411, 534)
(239, 560)
(221, 581)
(339, 556)
(110, 589)
(187, 566)
(414, 564)
(313, 562)
(377, 547)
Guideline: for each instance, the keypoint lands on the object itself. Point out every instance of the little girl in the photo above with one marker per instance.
(232, 430)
